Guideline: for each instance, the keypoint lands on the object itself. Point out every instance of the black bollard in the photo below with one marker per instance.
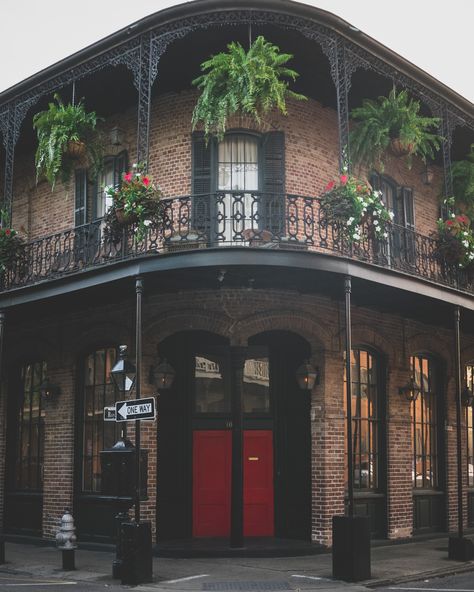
(68, 560)
(117, 562)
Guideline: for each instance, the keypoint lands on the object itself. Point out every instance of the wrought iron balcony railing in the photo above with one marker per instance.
(232, 219)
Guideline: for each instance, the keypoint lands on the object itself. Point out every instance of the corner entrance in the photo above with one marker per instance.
(196, 482)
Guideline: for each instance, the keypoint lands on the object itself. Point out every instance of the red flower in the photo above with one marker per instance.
(330, 185)
(146, 181)
(344, 179)
(8, 232)
(127, 177)
(449, 222)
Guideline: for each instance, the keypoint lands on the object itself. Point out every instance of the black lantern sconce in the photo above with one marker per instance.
(48, 390)
(162, 375)
(307, 376)
(123, 373)
(467, 397)
(411, 390)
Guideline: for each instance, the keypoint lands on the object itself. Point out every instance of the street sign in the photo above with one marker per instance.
(135, 409)
(109, 414)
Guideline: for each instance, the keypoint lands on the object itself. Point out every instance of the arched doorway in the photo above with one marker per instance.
(195, 444)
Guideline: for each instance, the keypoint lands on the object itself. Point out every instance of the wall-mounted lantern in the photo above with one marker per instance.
(307, 376)
(48, 390)
(411, 390)
(162, 375)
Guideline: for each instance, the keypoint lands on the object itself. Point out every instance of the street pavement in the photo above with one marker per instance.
(38, 568)
(463, 582)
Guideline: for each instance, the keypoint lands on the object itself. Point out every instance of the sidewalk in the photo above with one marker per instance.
(390, 564)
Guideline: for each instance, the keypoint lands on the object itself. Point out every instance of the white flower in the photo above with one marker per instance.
(385, 234)
(349, 222)
(376, 223)
(453, 216)
(146, 222)
(134, 165)
(465, 243)
(392, 215)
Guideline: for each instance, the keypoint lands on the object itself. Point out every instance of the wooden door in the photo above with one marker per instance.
(258, 483)
(212, 458)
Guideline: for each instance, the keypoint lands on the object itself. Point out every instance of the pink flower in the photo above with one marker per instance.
(8, 232)
(127, 177)
(344, 179)
(146, 181)
(330, 185)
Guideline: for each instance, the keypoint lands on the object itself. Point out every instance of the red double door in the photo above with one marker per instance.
(212, 467)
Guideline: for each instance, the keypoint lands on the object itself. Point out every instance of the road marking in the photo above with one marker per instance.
(310, 577)
(184, 579)
(42, 584)
(437, 589)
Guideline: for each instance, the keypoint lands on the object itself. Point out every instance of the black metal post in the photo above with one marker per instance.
(237, 361)
(68, 560)
(350, 534)
(348, 350)
(2, 333)
(459, 548)
(138, 363)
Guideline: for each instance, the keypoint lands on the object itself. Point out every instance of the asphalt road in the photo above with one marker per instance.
(463, 582)
(12, 582)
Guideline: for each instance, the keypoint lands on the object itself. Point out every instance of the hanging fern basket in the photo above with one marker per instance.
(243, 83)
(398, 149)
(75, 149)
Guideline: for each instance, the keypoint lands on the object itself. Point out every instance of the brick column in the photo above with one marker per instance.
(399, 454)
(327, 448)
(58, 472)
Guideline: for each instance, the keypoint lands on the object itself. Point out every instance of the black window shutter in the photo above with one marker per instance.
(408, 207)
(273, 176)
(202, 182)
(80, 197)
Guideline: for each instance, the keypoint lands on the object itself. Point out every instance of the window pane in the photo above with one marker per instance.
(256, 387)
(210, 384)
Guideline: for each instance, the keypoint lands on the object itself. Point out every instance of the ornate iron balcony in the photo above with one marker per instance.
(226, 220)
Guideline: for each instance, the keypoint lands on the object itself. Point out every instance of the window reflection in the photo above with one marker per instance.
(211, 393)
(98, 435)
(424, 425)
(256, 387)
(365, 420)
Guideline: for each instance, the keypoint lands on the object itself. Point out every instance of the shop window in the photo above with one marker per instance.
(424, 425)
(365, 420)
(212, 393)
(256, 386)
(99, 392)
(28, 474)
(469, 378)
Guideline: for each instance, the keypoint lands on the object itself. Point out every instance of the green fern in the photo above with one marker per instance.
(57, 126)
(395, 116)
(463, 181)
(252, 83)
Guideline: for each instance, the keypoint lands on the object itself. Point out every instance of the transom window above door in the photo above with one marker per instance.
(238, 163)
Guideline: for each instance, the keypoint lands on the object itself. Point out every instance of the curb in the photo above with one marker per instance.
(435, 573)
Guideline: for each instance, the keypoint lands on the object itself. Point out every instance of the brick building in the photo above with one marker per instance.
(235, 298)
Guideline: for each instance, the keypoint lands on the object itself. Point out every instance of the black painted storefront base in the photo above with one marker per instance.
(137, 561)
(460, 549)
(351, 548)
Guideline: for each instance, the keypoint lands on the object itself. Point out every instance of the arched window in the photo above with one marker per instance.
(99, 392)
(469, 378)
(28, 474)
(365, 419)
(424, 424)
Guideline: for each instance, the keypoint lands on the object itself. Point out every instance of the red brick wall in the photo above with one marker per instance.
(311, 138)
(238, 314)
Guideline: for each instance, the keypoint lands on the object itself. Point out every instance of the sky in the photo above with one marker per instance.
(436, 35)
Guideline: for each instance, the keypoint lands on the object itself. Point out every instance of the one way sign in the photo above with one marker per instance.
(137, 409)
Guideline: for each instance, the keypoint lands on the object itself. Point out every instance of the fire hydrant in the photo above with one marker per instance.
(66, 540)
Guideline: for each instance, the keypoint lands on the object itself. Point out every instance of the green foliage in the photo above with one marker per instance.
(387, 118)
(11, 244)
(252, 83)
(463, 182)
(55, 128)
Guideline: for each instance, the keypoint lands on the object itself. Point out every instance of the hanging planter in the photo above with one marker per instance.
(356, 209)
(392, 124)
(247, 83)
(455, 241)
(136, 203)
(66, 133)
(11, 245)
